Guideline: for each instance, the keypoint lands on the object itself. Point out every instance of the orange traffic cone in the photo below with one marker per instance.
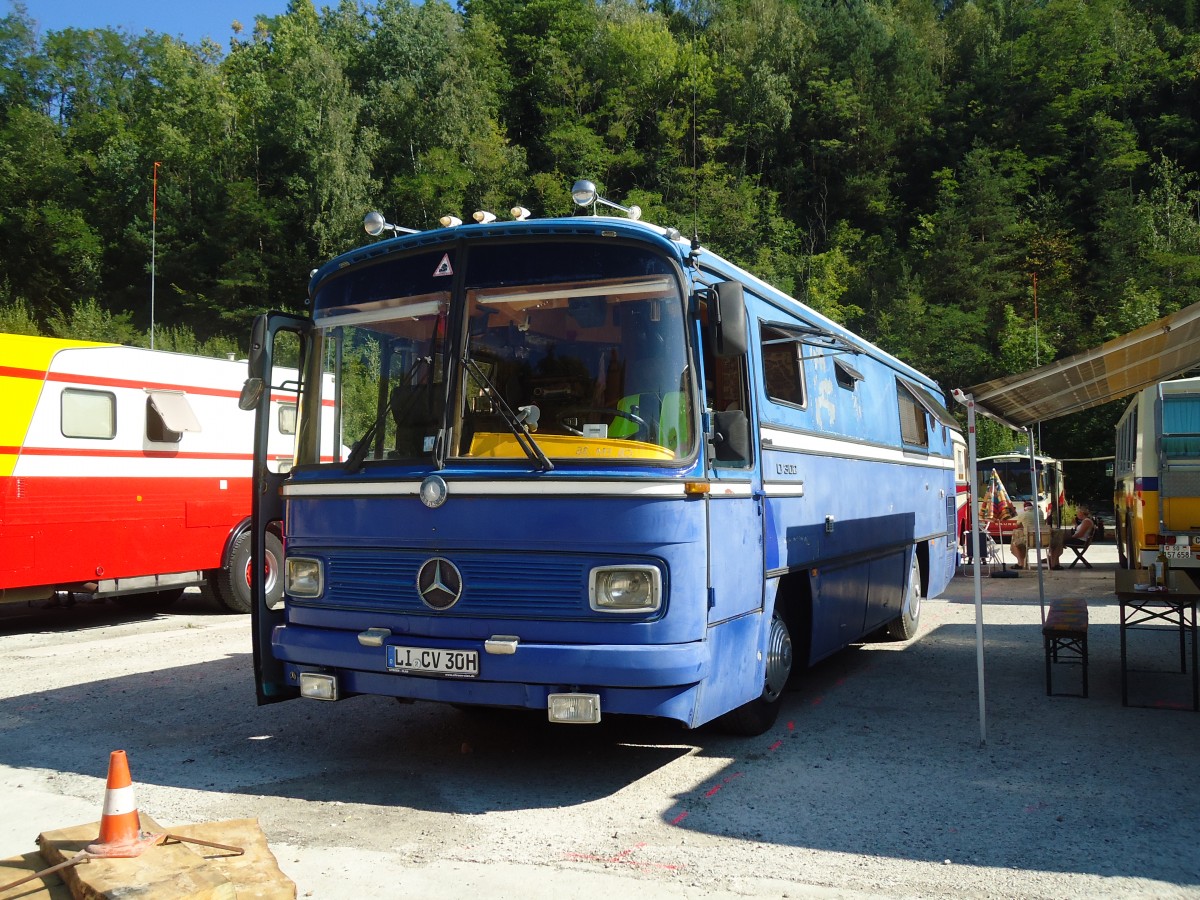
(121, 835)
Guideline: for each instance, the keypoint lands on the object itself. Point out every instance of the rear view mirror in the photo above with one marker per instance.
(251, 393)
(727, 318)
(258, 341)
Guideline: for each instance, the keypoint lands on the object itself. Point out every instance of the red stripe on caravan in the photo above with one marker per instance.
(135, 454)
(14, 372)
(129, 454)
(138, 384)
(98, 381)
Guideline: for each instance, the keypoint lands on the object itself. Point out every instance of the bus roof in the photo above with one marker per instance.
(668, 239)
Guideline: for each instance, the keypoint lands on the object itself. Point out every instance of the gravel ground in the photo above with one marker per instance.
(874, 783)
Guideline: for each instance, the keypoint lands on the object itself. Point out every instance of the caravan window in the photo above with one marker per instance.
(89, 414)
(168, 415)
(287, 418)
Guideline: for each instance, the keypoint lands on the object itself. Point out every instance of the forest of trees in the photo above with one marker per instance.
(912, 168)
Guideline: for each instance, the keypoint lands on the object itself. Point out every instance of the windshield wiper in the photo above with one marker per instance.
(355, 460)
(514, 422)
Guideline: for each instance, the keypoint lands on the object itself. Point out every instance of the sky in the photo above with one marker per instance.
(189, 19)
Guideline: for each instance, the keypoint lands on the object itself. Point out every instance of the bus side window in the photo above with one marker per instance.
(727, 397)
(914, 429)
(783, 374)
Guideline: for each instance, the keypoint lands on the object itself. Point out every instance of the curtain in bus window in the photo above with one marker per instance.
(1181, 426)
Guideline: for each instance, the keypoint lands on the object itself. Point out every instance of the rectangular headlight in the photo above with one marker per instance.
(625, 589)
(304, 577)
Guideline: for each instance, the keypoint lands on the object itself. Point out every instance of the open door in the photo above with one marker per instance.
(267, 507)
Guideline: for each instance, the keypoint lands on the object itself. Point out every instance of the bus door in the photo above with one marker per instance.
(267, 506)
(736, 515)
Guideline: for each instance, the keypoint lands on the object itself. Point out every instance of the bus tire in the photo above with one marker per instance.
(758, 715)
(904, 626)
(1122, 556)
(232, 583)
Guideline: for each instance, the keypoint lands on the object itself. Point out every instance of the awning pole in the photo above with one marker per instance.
(972, 478)
(1037, 516)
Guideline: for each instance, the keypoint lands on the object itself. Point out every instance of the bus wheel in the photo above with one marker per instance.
(1131, 554)
(904, 626)
(1122, 556)
(232, 584)
(760, 714)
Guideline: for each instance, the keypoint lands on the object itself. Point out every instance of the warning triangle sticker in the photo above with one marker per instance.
(444, 267)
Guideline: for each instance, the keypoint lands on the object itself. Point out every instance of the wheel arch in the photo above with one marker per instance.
(242, 527)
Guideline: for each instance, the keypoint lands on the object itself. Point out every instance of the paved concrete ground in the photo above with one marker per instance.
(873, 783)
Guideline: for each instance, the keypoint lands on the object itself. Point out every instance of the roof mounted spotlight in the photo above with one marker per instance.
(584, 194)
(375, 224)
(520, 213)
(483, 217)
(450, 221)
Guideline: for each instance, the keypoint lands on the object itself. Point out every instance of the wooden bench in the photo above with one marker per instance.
(1064, 637)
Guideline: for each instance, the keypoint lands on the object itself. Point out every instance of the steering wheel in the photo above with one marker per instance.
(642, 424)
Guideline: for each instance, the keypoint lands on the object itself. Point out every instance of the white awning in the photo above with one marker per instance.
(1156, 352)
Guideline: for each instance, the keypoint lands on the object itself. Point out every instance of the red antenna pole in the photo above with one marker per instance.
(153, 246)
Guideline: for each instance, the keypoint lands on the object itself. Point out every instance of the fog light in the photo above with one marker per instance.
(574, 709)
(318, 687)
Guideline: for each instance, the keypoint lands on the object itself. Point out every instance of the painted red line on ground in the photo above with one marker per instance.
(623, 857)
(776, 745)
(679, 818)
(817, 701)
(791, 726)
(712, 790)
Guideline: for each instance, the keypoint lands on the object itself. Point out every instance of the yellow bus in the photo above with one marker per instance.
(1157, 476)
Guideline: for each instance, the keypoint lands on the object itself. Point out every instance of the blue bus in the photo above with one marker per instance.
(591, 468)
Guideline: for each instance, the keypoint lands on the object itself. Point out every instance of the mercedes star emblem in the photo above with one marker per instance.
(439, 583)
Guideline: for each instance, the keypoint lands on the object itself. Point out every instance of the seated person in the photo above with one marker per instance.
(1085, 528)
(1018, 542)
(1050, 539)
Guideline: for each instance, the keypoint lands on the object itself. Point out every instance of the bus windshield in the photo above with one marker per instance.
(569, 351)
(1014, 475)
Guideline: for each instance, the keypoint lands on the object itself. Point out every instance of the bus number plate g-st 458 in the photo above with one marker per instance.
(426, 661)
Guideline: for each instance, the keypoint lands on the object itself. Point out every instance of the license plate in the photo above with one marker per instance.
(426, 661)
(1176, 551)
